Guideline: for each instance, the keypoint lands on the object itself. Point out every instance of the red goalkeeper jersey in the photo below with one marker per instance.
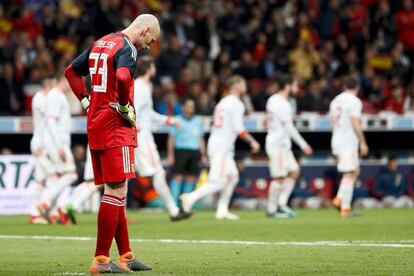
(106, 128)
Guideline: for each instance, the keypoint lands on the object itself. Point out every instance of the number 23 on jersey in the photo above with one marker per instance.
(99, 71)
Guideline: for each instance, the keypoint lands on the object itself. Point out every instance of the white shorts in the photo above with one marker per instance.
(222, 168)
(147, 159)
(88, 173)
(43, 168)
(348, 160)
(281, 162)
(61, 166)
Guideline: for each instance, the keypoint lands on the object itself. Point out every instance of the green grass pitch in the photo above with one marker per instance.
(381, 242)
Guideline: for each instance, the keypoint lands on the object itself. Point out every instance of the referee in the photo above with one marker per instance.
(184, 148)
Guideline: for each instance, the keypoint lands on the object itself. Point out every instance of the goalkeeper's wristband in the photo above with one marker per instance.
(85, 103)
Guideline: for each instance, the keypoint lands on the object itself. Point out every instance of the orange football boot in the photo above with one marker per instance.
(128, 261)
(103, 264)
(336, 202)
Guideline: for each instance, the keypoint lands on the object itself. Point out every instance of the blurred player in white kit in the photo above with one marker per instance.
(85, 194)
(147, 159)
(223, 175)
(43, 166)
(283, 167)
(348, 141)
(56, 142)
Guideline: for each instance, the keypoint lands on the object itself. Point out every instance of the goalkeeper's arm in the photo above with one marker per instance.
(78, 86)
(123, 82)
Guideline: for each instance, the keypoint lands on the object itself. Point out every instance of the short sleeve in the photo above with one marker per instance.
(81, 63)
(355, 110)
(126, 57)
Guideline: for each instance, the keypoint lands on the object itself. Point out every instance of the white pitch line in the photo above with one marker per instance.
(391, 244)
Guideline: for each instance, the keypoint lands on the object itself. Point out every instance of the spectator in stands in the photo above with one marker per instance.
(268, 65)
(11, 94)
(391, 186)
(259, 101)
(317, 97)
(182, 26)
(383, 23)
(248, 67)
(170, 106)
(395, 100)
(362, 197)
(349, 65)
(204, 105)
(304, 58)
(312, 39)
(172, 60)
(405, 25)
(200, 67)
(303, 196)
(184, 82)
(409, 99)
(400, 62)
(329, 21)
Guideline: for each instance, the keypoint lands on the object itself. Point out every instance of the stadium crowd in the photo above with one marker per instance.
(204, 42)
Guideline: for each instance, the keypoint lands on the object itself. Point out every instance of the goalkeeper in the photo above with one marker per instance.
(112, 135)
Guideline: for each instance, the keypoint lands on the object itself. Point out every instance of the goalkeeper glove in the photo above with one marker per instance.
(85, 103)
(126, 111)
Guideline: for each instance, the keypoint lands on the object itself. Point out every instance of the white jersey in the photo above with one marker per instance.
(58, 129)
(146, 115)
(279, 113)
(38, 119)
(343, 108)
(227, 125)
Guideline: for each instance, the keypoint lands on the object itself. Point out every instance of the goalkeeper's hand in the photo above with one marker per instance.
(126, 111)
(85, 103)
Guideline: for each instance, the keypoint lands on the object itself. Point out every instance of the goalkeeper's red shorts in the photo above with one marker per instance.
(113, 165)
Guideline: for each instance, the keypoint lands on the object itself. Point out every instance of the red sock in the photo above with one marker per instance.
(107, 223)
(121, 232)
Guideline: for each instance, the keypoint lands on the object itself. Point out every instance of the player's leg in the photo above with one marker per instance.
(348, 164)
(148, 163)
(215, 183)
(112, 167)
(40, 175)
(226, 194)
(191, 169)
(176, 186)
(84, 191)
(278, 172)
(289, 184)
(81, 194)
(108, 217)
(346, 191)
(176, 183)
(67, 175)
(60, 211)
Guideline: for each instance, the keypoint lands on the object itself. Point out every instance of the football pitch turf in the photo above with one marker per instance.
(380, 242)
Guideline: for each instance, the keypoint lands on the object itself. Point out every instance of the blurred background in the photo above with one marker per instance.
(203, 43)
